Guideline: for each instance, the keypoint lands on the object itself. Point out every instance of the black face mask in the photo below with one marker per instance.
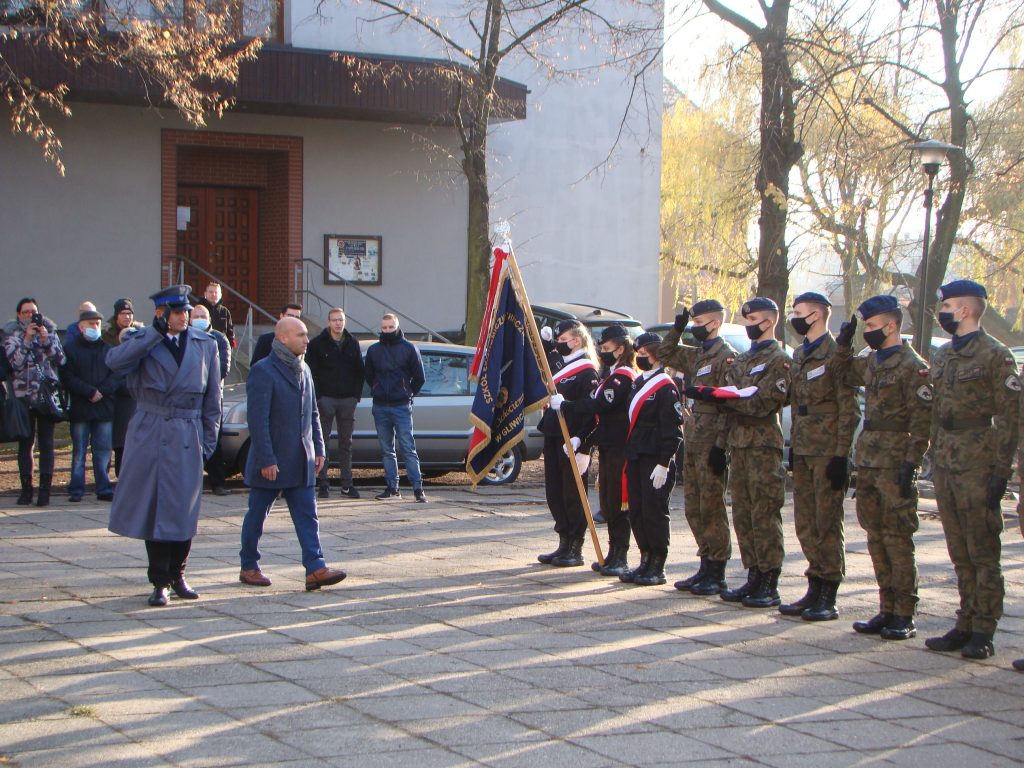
(700, 332)
(754, 331)
(947, 323)
(644, 363)
(563, 348)
(800, 325)
(607, 358)
(390, 336)
(875, 338)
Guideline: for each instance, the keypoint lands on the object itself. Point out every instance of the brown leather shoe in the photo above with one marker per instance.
(324, 578)
(254, 578)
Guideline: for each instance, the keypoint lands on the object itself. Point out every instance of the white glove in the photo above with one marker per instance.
(556, 402)
(574, 442)
(546, 333)
(582, 462)
(659, 477)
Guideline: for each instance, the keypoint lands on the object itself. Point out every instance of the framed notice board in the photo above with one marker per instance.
(353, 259)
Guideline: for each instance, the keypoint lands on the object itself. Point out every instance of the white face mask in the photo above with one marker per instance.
(201, 323)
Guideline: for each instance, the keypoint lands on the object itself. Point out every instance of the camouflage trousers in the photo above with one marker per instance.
(818, 514)
(704, 496)
(758, 486)
(972, 538)
(889, 522)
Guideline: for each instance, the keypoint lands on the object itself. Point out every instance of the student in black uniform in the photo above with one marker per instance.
(608, 402)
(572, 366)
(655, 432)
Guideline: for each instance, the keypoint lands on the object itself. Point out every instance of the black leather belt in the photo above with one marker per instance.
(953, 425)
(817, 410)
(886, 426)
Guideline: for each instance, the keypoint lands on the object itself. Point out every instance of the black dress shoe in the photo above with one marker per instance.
(183, 590)
(159, 597)
(874, 625)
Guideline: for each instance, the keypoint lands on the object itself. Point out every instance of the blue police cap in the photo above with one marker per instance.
(706, 306)
(175, 297)
(612, 333)
(760, 304)
(876, 305)
(647, 338)
(812, 297)
(959, 288)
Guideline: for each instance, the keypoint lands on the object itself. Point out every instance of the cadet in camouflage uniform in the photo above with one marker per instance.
(825, 416)
(897, 421)
(705, 463)
(757, 479)
(974, 436)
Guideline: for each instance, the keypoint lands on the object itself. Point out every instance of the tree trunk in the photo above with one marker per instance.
(477, 243)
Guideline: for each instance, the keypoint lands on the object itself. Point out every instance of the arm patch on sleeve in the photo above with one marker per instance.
(924, 392)
(1012, 383)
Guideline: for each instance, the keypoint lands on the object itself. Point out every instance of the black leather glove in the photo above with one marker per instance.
(682, 320)
(846, 331)
(700, 393)
(838, 472)
(160, 322)
(718, 460)
(907, 479)
(994, 491)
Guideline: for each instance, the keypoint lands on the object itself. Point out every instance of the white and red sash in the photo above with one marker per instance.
(573, 368)
(626, 371)
(656, 382)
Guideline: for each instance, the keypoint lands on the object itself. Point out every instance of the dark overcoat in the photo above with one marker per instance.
(173, 431)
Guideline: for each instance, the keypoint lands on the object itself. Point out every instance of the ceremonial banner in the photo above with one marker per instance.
(510, 384)
(497, 269)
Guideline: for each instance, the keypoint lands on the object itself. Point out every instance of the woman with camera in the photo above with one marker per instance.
(34, 354)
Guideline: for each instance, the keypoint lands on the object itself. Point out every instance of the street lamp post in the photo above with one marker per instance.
(931, 155)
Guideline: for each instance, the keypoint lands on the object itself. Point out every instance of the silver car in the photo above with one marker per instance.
(440, 422)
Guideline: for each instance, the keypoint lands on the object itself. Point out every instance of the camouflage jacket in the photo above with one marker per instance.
(824, 406)
(754, 421)
(706, 422)
(897, 406)
(976, 407)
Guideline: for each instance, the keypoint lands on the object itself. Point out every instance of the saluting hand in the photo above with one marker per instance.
(846, 331)
(682, 320)
(269, 473)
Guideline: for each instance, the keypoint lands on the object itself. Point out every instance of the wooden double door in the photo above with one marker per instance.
(222, 237)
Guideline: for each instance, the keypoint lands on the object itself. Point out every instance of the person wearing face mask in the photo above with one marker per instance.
(571, 358)
(825, 416)
(757, 478)
(200, 321)
(653, 437)
(705, 463)
(897, 420)
(608, 402)
(93, 389)
(974, 436)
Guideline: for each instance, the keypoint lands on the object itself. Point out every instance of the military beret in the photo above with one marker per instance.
(876, 305)
(122, 304)
(566, 325)
(708, 305)
(812, 297)
(647, 338)
(613, 332)
(89, 314)
(175, 297)
(958, 288)
(760, 304)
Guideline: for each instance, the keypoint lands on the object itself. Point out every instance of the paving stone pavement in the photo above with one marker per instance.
(448, 645)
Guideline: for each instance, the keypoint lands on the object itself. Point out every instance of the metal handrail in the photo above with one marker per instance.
(348, 284)
(348, 318)
(216, 278)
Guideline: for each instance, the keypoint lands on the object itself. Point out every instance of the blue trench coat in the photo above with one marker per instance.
(173, 431)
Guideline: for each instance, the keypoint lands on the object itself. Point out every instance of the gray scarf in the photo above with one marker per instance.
(285, 355)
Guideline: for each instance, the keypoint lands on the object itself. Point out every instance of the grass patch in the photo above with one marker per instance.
(82, 710)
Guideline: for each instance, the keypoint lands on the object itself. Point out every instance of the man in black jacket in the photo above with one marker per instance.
(92, 386)
(220, 315)
(336, 363)
(395, 374)
(266, 340)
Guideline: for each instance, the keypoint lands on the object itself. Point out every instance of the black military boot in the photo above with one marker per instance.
(564, 542)
(824, 609)
(617, 565)
(953, 640)
(874, 625)
(26, 491)
(767, 594)
(655, 573)
(571, 557)
(596, 566)
(713, 582)
(810, 598)
(978, 647)
(43, 499)
(641, 568)
(736, 595)
(900, 628)
(685, 584)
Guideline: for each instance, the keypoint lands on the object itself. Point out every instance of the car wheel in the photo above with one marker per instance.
(505, 470)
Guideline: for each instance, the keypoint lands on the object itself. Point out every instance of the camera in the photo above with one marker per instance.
(37, 319)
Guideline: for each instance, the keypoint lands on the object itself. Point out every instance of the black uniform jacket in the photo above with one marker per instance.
(608, 402)
(657, 428)
(575, 387)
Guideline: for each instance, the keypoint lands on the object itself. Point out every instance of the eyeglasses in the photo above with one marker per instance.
(126, 312)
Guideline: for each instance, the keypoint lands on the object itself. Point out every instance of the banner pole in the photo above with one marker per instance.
(542, 359)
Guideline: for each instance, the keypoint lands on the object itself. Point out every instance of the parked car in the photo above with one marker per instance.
(596, 319)
(440, 421)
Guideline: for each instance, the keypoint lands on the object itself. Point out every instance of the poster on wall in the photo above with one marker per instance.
(352, 258)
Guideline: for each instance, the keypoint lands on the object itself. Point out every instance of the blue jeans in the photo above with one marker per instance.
(100, 434)
(302, 506)
(395, 421)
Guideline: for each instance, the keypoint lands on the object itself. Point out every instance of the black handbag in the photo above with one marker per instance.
(15, 422)
(51, 401)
